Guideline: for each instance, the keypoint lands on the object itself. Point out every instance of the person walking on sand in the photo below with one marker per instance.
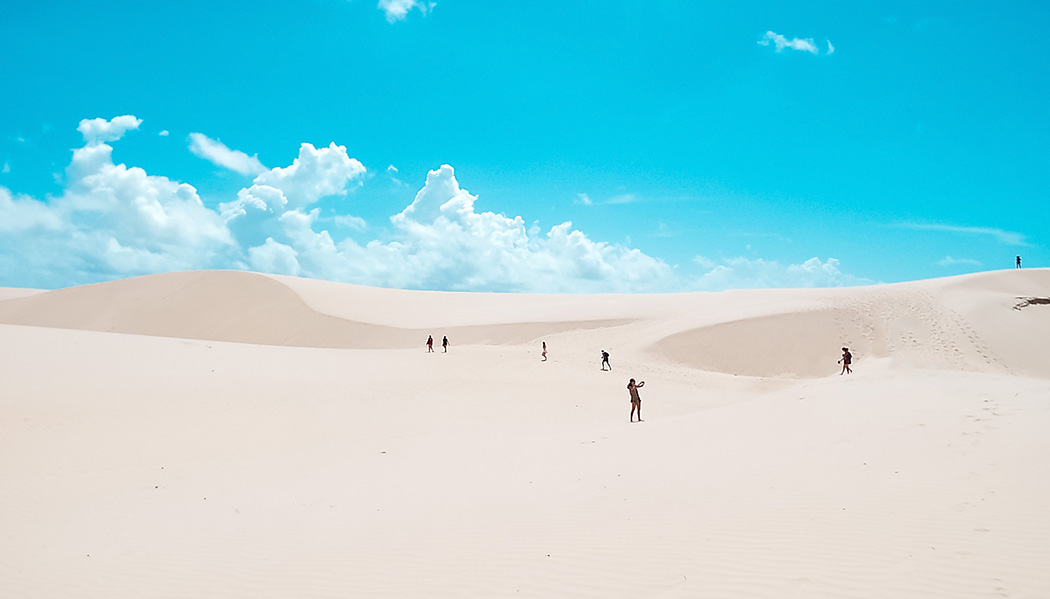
(430, 344)
(605, 360)
(847, 359)
(444, 344)
(1018, 262)
(636, 400)
(544, 352)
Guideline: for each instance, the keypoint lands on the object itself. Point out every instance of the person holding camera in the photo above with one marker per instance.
(636, 400)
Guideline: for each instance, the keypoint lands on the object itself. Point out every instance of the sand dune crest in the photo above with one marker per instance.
(243, 307)
(959, 323)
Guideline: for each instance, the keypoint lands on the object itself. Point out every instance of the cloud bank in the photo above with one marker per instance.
(111, 221)
(745, 273)
(114, 221)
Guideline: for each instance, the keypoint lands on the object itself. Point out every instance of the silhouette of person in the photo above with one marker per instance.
(605, 360)
(544, 353)
(430, 343)
(1018, 262)
(636, 400)
(847, 359)
(444, 344)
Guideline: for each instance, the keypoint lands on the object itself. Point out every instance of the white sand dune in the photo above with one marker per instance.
(228, 434)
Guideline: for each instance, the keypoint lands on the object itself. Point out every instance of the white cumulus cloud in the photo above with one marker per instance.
(217, 153)
(148, 213)
(24, 214)
(101, 130)
(440, 241)
(316, 173)
(276, 258)
(110, 221)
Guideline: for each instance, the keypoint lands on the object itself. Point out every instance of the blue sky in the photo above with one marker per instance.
(613, 146)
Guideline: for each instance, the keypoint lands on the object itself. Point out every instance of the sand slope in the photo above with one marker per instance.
(250, 308)
(237, 435)
(962, 323)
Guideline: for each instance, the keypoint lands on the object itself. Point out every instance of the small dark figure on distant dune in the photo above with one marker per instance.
(1018, 262)
(544, 353)
(847, 359)
(636, 400)
(430, 343)
(605, 360)
(444, 344)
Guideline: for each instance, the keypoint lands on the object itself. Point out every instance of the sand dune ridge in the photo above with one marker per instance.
(960, 323)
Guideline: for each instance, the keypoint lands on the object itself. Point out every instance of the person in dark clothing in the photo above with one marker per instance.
(846, 360)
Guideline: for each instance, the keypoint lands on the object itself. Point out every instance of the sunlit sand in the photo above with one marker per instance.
(229, 434)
